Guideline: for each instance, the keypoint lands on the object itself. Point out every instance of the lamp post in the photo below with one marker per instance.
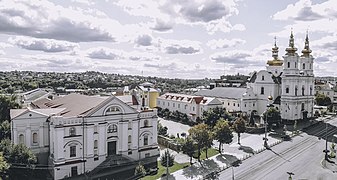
(326, 151)
(290, 174)
(266, 123)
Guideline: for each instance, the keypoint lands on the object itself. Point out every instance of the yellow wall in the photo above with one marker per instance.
(153, 99)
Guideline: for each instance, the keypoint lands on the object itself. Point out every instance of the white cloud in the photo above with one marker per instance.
(85, 2)
(43, 19)
(171, 46)
(232, 57)
(46, 45)
(212, 14)
(105, 53)
(224, 43)
(144, 40)
(114, 54)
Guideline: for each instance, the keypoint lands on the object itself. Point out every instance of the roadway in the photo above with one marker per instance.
(302, 156)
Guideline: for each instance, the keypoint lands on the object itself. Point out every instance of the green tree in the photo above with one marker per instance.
(5, 130)
(4, 166)
(7, 103)
(211, 116)
(273, 116)
(162, 130)
(200, 134)
(189, 148)
(222, 133)
(167, 156)
(322, 100)
(140, 170)
(239, 127)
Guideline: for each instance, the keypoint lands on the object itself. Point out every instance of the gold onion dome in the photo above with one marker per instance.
(306, 51)
(275, 61)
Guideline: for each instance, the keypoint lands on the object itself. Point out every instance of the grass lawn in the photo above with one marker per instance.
(210, 152)
(162, 170)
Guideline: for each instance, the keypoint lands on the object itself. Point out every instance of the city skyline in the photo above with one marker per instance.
(194, 39)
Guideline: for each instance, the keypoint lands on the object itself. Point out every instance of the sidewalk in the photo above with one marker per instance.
(251, 144)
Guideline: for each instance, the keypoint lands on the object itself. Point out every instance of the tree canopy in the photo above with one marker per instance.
(202, 136)
(189, 148)
(239, 127)
(7, 103)
(322, 100)
(211, 116)
(222, 133)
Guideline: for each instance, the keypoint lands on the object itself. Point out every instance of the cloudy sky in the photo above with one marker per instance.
(166, 38)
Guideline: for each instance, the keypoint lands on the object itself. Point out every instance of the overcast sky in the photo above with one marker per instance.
(166, 38)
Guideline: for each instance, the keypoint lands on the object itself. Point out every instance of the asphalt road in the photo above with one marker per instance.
(302, 156)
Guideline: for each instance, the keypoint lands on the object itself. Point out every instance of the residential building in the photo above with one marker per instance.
(78, 134)
(191, 105)
(146, 94)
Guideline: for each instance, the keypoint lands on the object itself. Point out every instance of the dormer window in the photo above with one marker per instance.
(113, 110)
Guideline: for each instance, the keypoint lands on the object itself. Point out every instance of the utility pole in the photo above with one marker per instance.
(326, 151)
(167, 164)
(266, 122)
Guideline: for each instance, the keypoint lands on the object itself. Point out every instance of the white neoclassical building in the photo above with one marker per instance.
(77, 133)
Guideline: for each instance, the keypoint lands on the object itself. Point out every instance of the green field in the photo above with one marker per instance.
(211, 152)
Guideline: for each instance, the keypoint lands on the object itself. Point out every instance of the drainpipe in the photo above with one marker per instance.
(83, 148)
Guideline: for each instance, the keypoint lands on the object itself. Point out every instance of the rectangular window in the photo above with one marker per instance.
(174, 104)
(178, 105)
(95, 129)
(146, 140)
(74, 171)
(72, 151)
(193, 108)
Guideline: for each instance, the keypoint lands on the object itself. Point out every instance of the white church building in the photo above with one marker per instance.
(290, 82)
(75, 134)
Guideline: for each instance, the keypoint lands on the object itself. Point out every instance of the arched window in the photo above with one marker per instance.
(21, 139)
(302, 90)
(262, 78)
(72, 151)
(262, 90)
(296, 89)
(310, 65)
(72, 131)
(129, 139)
(146, 140)
(146, 123)
(303, 66)
(35, 138)
(112, 128)
(302, 107)
(295, 65)
(287, 90)
(310, 90)
(288, 64)
(95, 144)
(113, 110)
(130, 125)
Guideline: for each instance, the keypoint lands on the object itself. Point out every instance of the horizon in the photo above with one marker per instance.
(168, 39)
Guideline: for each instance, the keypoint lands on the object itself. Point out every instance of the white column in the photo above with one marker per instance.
(59, 152)
(41, 135)
(135, 132)
(154, 130)
(123, 136)
(90, 140)
(28, 136)
(101, 139)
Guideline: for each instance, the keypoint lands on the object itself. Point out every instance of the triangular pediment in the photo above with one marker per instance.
(112, 101)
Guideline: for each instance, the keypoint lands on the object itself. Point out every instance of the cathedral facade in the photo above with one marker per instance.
(290, 83)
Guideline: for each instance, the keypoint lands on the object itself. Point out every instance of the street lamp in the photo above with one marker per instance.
(290, 174)
(266, 122)
(326, 151)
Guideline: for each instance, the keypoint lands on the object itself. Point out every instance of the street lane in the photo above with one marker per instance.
(302, 156)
